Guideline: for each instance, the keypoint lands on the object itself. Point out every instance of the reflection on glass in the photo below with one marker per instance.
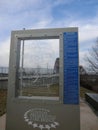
(39, 68)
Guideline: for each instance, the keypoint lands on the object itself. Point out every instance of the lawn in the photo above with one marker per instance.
(83, 91)
(3, 97)
(51, 91)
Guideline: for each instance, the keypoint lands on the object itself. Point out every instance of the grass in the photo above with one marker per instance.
(83, 91)
(3, 97)
(52, 90)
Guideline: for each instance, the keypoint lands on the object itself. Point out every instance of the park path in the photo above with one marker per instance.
(88, 119)
(2, 122)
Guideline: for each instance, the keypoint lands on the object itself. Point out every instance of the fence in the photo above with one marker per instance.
(3, 77)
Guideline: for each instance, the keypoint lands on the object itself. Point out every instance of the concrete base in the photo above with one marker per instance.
(92, 99)
(89, 121)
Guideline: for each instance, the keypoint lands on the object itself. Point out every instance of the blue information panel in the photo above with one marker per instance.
(71, 80)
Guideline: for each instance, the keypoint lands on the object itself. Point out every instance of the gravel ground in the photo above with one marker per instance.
(89, 121)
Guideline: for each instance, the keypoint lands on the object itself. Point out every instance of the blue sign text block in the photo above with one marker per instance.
(71, 80)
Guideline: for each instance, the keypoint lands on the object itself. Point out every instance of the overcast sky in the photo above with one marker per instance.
(40, 53)
(32, 14)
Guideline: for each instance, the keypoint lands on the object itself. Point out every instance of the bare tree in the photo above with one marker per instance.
(92, 58)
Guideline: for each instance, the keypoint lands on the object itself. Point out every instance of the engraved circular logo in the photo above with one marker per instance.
(40, 118)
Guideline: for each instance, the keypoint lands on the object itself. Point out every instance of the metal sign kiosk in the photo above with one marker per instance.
(43, 97)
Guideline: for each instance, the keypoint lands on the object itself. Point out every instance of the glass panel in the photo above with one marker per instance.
(39, 68)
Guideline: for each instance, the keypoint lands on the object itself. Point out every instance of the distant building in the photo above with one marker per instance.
(56, 66)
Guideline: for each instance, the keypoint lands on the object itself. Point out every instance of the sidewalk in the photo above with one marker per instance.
(2, 122)
(89, 121)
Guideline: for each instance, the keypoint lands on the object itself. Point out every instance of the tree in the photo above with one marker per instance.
(92, 59)
(90, 80)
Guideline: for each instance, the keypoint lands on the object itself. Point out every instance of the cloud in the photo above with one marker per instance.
(37, 52)
(88, 32)
(41, 53)
(82, 55)
(17, 6)
(4, 52)
(31, 14)
(34, 14)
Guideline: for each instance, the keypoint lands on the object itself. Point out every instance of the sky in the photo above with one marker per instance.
(40, 53)
(37, 14)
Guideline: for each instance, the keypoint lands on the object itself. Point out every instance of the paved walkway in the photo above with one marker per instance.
(2, 122)
(89, 121)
